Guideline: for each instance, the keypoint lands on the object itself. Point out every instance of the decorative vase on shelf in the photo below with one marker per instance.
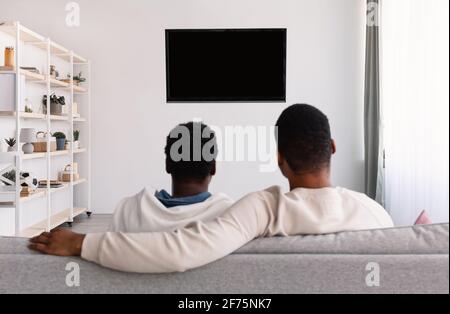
(60, 140)
(11, 149)
(9, 57)
(60, 143)
(28, 136)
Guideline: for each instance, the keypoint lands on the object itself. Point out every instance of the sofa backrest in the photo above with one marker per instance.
(423, 239)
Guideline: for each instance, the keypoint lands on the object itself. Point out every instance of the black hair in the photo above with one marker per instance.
(304, 138)
(195, 159)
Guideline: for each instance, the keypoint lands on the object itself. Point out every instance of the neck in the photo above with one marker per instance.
(311, 180)
(188, 188)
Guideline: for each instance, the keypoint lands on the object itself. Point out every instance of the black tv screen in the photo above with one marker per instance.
(226, 65)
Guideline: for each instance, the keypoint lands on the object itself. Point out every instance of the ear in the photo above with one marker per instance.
(281, 160)
(333, 147)
(283, 165)
(213, 169)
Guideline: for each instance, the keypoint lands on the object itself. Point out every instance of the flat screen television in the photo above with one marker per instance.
(226, 65)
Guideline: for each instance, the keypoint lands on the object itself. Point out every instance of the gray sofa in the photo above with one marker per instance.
(408, 260)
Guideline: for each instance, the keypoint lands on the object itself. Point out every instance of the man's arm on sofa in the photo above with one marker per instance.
(183, 249)
(163, 252)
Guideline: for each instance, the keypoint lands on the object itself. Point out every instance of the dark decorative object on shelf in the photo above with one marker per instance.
(53, 72)
(76, 135)
(11, 176)
(60, 140)
(56, 104)
(26, 180)
(31, 69)
(78, 79)
(11, 143)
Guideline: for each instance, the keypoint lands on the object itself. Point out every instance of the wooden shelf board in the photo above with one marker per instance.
(42, 79)
(32, 115)
(26, 35)
(79, 89)
(80, 150)
(7, 114)
(78, 182)
(79, 60)
(56, 220)
(59, 118)
(42, 155)
(38, 194)
(52, 154)
(59, 153)
(38, 116)
(31, 76)
(58, 50)
(58, 83)
(33, 156)
(42, 192)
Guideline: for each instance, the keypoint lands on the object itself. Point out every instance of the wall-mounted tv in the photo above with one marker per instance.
(226, 65)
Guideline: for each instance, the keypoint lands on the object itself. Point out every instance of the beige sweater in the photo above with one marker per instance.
(143, 212)
(261, 214)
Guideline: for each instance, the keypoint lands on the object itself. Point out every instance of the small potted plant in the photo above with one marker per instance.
(77, 79)
(28, 107)
(76, 137)
(60, 140)
(56, 104)
(11, 144)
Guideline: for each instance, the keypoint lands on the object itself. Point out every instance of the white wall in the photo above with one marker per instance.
(125, 42)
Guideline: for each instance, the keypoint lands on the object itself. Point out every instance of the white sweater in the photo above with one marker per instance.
(143, 212)
(261, 214)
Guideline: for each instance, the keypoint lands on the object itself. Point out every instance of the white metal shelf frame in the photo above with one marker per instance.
(24, 36)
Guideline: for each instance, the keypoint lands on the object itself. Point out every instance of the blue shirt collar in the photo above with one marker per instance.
(167, 200)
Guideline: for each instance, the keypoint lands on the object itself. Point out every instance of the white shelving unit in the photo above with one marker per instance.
(11, 198)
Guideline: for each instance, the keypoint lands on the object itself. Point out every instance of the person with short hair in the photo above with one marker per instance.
(154, 210)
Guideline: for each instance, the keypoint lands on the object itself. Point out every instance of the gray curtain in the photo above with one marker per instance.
(372, 112)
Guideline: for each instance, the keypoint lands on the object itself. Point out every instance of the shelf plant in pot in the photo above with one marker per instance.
(56, 104)
(77, 79)
(60, 140)
(76, 138)
(11, 142)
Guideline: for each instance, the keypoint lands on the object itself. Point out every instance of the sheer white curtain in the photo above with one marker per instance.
(415, 105)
